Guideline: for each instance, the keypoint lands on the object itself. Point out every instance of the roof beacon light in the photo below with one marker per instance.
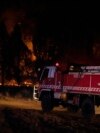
(57, 64)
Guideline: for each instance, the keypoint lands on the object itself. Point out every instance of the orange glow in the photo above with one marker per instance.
(12, 82)
(27, 39)
(33, 57)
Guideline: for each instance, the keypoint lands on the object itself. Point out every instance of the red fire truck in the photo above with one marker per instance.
(77, 87)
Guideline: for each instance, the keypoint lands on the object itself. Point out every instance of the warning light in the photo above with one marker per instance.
(57, 64)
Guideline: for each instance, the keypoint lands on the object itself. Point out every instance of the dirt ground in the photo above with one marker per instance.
(25, 116)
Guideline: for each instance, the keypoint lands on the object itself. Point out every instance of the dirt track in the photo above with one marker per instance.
(20, 103)
(30, 104)
(25, 116)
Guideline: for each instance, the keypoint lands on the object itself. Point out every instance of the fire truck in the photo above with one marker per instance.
(77, 87)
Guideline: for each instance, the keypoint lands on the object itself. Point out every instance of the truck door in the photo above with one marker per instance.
(47, 79)
(58, 81)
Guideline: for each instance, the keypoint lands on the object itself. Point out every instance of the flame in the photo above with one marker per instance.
(27, 39)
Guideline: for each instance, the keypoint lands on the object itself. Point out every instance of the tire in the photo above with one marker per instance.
(88, 108)
(73, 108)
(64, 104)
(47, 103)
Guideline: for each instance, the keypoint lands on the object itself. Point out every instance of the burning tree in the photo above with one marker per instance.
(16, 57)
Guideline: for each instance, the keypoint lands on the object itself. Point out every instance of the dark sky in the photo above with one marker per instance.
(74, 20)
(76, 24)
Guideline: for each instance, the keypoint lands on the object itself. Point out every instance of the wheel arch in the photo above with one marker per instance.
(45, 92)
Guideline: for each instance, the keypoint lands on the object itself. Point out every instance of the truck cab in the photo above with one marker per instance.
(50, 86)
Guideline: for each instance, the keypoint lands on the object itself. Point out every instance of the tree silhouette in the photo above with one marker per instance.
(13, 50)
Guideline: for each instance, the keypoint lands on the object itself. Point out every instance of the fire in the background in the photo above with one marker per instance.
(28, 40)
(12, 17)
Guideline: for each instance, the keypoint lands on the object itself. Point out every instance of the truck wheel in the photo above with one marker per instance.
(47, 103)
(88, 108)
(64, 104)
(73, 108)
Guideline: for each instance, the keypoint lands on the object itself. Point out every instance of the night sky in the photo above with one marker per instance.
(76, 23)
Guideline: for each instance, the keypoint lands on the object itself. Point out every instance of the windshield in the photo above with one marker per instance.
(44, 74)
